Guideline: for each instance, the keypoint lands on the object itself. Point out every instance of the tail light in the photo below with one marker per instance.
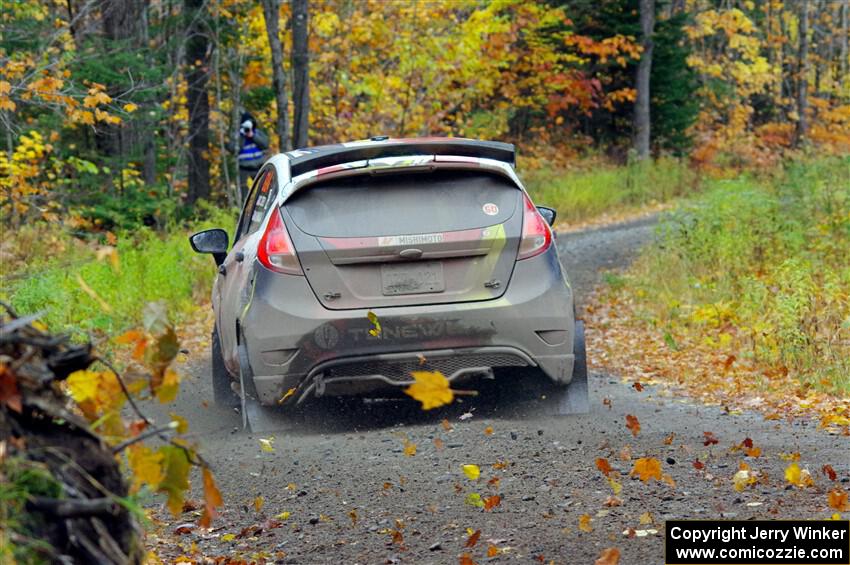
(536, 234)
(276, 251)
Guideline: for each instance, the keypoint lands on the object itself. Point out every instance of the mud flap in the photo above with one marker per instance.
(574, 398)
(256, 418)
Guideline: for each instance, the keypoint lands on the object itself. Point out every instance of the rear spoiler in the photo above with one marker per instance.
(305, 160)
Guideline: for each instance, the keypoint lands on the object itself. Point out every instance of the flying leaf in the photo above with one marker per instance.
(266, 444)
(669, 439)
(289, 393)
(493, 501)
(633, 424)
(797, 477)
(259, 501)
(446, 425)
(431, 389)
(376, 324)
(492, 551)
(473, 539)
(647, 468)
(438, 443)
(610, 556)
(837, 499)
(743, 478)
(146, 465)
(472, 472)
(603, 465)
(637, 386)
(584, 523)
(488, 430)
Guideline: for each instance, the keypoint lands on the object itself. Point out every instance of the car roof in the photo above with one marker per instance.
(312, 158)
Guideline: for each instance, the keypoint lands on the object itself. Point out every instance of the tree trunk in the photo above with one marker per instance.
(197, 58)
(802, 74)
(271, 11)
(845, 38)
(642, 118)
(300, 73)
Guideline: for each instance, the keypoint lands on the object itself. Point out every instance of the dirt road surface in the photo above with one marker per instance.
(354, 496)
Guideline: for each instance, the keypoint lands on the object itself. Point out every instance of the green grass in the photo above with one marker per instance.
(582, 195)
(151, 267)
(760, 265)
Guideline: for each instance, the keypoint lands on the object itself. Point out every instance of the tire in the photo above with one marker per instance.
(223, 394)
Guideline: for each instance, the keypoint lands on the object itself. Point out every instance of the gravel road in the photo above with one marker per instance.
(343, 476)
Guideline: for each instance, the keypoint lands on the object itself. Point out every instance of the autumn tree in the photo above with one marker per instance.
(271, 11)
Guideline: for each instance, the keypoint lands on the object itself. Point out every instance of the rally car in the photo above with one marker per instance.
(355, 264)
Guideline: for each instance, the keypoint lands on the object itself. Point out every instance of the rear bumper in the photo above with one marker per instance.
(294, 342)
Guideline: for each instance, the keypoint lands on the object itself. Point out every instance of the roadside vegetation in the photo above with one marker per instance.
(745, 296)
(598, 188)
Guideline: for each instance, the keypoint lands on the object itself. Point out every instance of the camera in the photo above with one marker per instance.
(246, 127)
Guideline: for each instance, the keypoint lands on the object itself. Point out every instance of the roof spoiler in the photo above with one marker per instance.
(305, 160)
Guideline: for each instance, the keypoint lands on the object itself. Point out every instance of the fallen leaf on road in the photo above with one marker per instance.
(838, 500)
(258, 503)
(710, 438)
(474, 499)
(438, 443)
(610, 556)
(409, 448)
(647, 468)
(612, 501)
(284, 515)
(603, 465)
(625, 453)
(494, 482)
(488, 430)
(669, 439)
(645, 518)
(472, 472)
(790, 456)
(637, 386)
(466, 559)
(446, 425)
(615, 486)
(492, 551)
(493, 501)
(500, 465)
(607, 402)
(228, 537)
(632, 424)
(584, 523)
(473, 538)
(829, 472)
(353, 516)
(699, 465)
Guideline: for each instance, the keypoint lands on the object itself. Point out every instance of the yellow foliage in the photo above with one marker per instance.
(431, 389)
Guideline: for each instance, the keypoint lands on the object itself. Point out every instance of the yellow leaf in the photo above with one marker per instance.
(176, 480)
(431, 389)
(146, 466)
(409, 448)
(798, 477)
(180, 424)
(83, 385)
(584, 523)
(472, 472)
(228, 537)
(837, 499)
(645, 518)
(267, 444)
(258, 503)
(647, 468)
(167, 390)
(289, 393)
(130, 107)
(376, 330)
(284, 515)
(474, 499)
(610, 556)
(615, 486)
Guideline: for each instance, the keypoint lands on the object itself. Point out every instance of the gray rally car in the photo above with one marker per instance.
(355, 264)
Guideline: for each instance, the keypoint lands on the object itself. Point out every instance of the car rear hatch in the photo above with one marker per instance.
(404, 239)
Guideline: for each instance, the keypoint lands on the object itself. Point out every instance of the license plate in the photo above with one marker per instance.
(412, 278)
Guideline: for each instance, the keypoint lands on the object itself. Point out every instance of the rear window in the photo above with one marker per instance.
(416, 203)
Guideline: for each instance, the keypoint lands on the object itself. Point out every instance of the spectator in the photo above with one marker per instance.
(253, 143)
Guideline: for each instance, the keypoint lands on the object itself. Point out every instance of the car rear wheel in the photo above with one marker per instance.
(223, 394)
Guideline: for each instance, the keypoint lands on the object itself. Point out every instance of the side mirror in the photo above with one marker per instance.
(211, 241)
(548, 214)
